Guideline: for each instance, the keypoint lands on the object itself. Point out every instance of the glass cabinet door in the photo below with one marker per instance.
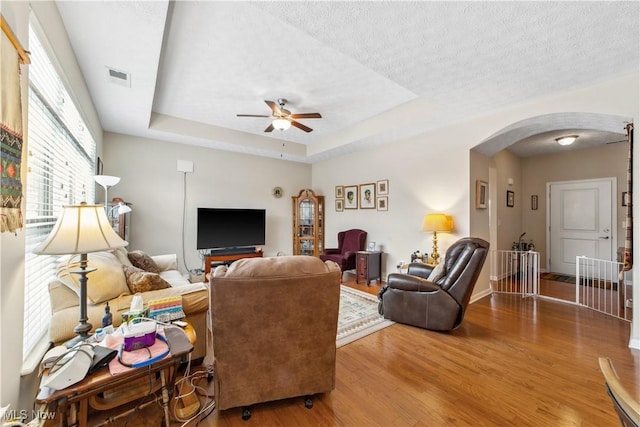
(308, 226)
(306, 222)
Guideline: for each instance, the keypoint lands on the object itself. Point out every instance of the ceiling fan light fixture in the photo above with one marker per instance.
(281, 124)
(567, 140)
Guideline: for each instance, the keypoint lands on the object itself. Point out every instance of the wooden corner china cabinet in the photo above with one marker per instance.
(308, 223)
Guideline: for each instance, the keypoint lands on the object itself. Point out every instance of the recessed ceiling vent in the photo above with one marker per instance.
(121, 78)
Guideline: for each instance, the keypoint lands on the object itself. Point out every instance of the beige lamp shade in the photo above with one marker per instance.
(437, 222)
(80, 229)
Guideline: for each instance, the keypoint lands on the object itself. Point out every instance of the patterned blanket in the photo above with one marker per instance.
(10, 137)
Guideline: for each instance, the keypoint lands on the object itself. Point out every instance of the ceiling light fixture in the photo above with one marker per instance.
(566, 140)
(281, 124)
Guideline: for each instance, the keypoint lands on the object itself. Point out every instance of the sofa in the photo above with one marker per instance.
(274, 323)
(113, 281)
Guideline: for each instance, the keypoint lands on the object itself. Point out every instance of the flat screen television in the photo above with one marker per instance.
(230, 228)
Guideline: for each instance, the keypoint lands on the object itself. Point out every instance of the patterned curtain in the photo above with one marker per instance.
(10, 137)
(628, 240)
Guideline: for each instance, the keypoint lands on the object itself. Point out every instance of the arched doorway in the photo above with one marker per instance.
(523, 157)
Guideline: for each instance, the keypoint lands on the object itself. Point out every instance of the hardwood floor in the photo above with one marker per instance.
(514, 362)
(349, 279)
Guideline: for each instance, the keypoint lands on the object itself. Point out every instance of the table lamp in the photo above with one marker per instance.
(81, 229)
(436, 222)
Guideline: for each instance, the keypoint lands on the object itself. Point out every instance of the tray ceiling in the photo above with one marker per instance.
(376, 71)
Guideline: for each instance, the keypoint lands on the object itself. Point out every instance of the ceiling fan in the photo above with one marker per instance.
(282, 118)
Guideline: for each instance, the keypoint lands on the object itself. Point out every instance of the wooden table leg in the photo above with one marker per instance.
(165, 398)
(84, 412)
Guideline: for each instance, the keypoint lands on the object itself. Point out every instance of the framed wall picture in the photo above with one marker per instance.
(383, 203)
(482, 191)
(367, 196)
(339, 205)
(382, 187)
(510, 198)
(99, 166)
(534, 202)
(339, 192)
(351, 197)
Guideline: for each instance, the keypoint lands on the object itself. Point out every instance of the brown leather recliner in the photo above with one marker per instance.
(412, 299)
(274, 323)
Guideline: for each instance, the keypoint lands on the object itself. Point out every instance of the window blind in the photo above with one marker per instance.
(60, 169)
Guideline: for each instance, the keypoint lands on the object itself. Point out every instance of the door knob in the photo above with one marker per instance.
(604, 237)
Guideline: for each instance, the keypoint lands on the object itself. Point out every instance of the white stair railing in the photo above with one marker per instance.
(603, 286)
(515, 272)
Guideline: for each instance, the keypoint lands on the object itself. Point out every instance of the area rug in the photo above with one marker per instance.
(358, 316)
(564, 278)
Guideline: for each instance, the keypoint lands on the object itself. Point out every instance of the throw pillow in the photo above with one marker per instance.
(436, 273)
(121, 254)
(105, 283)
(140, 281)
(142, 260)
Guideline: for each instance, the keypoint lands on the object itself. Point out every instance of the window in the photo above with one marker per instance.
(60, 165)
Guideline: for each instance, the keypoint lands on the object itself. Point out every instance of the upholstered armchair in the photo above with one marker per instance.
(274, 323)
(435, 298)
(349, 242)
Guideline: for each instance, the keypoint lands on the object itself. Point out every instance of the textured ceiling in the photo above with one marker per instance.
(376, 71)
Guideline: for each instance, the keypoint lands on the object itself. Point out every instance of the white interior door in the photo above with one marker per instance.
(580, 222)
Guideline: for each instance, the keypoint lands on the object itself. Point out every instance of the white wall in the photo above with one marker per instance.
(150, 180)
(431, 173)
(423, 177)
(603, 162)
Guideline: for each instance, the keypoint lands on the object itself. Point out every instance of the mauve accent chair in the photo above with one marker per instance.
(440, 305)
(349, 242)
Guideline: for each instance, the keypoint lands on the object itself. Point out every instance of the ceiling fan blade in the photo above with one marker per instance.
(251, 115)
(300, 126)
(274, 107)
(306, 116)
(269, 128)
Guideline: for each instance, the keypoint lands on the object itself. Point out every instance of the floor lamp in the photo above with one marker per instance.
(436, 222)
(81, 229)
(106, 181)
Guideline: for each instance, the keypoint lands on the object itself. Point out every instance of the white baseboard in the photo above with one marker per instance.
(480, 295)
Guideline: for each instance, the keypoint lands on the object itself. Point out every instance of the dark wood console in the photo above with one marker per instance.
(227, 259)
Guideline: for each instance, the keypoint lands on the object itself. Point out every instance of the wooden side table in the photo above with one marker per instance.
(368, 266)
(71, 405)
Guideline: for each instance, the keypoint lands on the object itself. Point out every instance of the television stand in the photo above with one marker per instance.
(227, 258)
